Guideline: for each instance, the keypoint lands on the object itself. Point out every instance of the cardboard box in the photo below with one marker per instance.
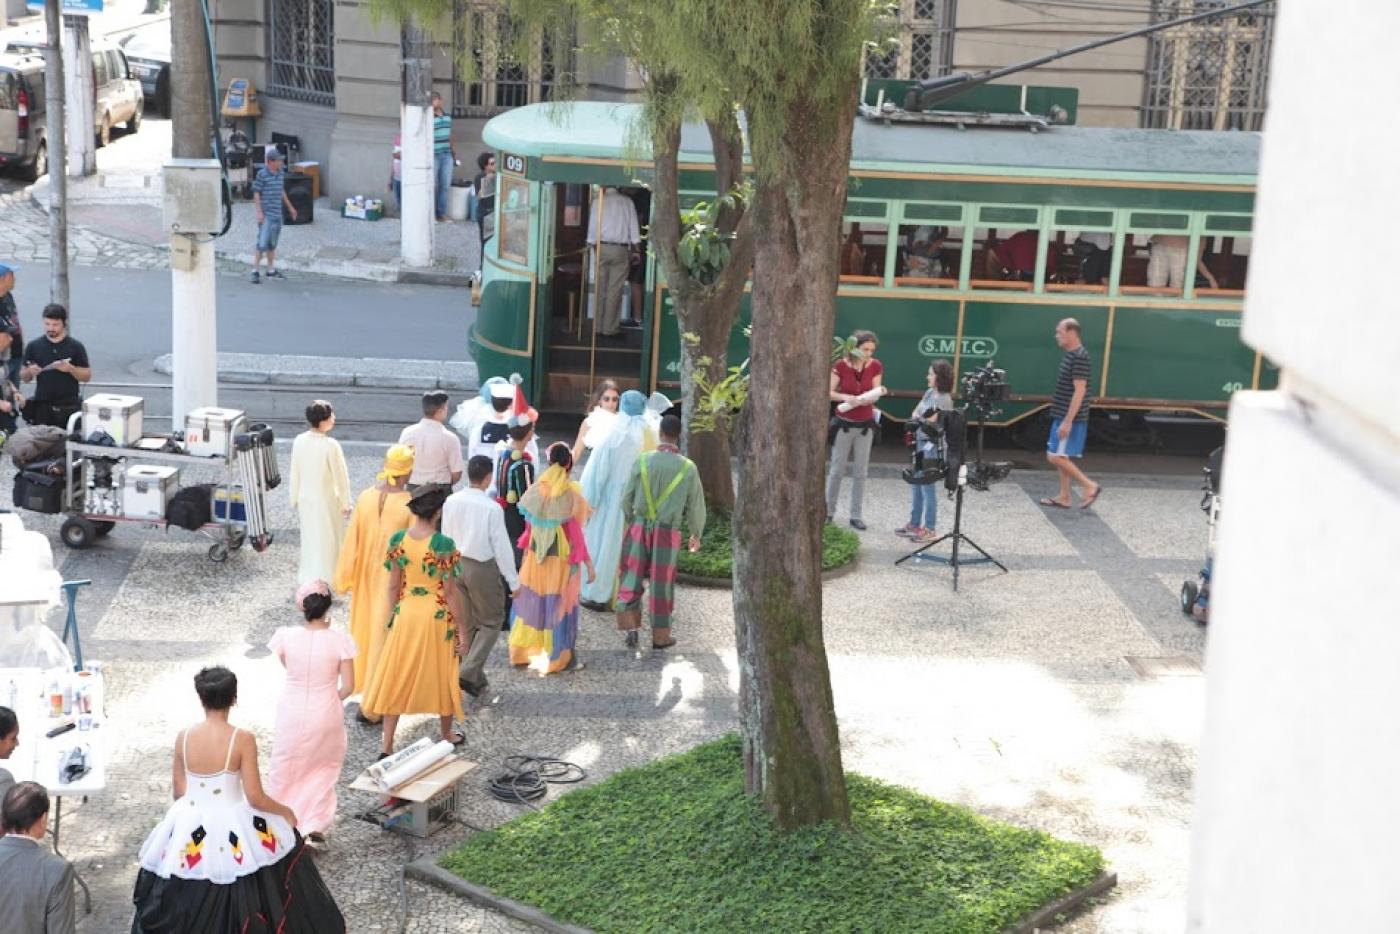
(423, 805)
(369, 211)
(120, 416)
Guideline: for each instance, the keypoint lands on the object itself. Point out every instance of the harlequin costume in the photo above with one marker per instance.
(417, 671)
(544, 627)
(663, 492)
(215, 865)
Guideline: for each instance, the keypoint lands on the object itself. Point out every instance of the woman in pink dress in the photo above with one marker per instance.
(308, 747)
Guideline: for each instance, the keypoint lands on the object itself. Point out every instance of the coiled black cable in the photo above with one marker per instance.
(527, 778)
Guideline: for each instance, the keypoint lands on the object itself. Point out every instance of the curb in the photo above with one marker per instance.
(414, 275)
(1043, 918)
(242, 375)
(427, 870)
(727, 583)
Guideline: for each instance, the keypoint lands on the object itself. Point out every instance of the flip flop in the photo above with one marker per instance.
(1092, 497)
(1047, 501)
(458, 738)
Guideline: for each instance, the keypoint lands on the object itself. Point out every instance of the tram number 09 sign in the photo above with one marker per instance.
(512, 164)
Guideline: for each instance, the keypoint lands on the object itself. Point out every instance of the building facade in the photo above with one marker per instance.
(328, 72)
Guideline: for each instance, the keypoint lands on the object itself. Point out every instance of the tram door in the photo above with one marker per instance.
(577, 355)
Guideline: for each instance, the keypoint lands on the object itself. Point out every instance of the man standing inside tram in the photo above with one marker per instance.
(613, 230)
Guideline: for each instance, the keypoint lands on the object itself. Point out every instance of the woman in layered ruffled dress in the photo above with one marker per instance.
(544, 627)
(226, 857)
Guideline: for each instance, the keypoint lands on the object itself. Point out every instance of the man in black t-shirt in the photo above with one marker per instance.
(60, 365)
(1070, 413)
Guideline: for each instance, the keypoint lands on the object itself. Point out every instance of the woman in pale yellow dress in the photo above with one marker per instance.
(379, 512)
(320, 493)
(417, 668)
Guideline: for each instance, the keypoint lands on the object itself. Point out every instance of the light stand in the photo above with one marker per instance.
(980, 481)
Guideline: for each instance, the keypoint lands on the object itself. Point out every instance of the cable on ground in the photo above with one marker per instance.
(527, 778)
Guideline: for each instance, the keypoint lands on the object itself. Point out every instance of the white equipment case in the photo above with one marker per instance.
(209, 431)
(119, 416)
(147, 491)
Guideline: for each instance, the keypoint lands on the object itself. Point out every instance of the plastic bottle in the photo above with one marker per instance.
(11, 695)
(55, 699)
(67, 696)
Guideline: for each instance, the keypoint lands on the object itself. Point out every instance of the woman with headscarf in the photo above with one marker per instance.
(308, 745)
(604, 478)
(602, 408)
(544, 626)
(417, 667)
(320, 493)
(379, 512)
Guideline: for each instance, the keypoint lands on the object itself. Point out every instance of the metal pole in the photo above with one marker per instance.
(194, 342)
(57, 154)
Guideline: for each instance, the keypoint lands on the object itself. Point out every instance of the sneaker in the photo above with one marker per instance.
(908, 531)
(257, 279)
(631, 640)
(275, 274)
(924, 537)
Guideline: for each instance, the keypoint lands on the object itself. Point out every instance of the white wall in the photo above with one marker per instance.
(1298, 787)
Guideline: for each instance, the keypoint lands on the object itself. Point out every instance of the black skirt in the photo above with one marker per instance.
(287, 897)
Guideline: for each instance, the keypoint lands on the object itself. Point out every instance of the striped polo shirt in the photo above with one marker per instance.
(269, 185)
(1073, 365)
(442, 134)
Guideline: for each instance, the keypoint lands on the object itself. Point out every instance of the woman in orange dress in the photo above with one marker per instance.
(379, 512)
(417, 668)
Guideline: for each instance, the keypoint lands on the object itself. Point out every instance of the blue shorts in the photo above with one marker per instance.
(268, 231)
(1073, 446)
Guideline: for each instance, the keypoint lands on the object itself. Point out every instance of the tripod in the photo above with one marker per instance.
(981, 481)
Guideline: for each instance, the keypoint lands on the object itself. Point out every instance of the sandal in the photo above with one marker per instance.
(1048, 501)
(663, 645)
(458, 738)
(1092, 497)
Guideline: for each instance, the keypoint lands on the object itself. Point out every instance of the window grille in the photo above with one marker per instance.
(1211, 75)
(303, 50)
(924, 30)
(497, 79)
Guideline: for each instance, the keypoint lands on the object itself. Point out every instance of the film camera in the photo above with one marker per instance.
(936, 444)
(985, 385)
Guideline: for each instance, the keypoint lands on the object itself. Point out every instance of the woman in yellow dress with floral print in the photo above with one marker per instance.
(417, 669)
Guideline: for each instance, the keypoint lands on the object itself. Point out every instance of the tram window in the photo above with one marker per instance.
(863, 248)
(1080, 251)
(1154, 253)
(1004, 258)
(1228, 260)
(928, 256)
(514, 210)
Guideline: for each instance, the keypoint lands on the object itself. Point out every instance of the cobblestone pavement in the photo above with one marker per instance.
(1015, 696)
(24, 236)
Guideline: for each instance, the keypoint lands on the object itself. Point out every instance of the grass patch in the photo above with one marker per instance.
(677, 846)
(716, 555)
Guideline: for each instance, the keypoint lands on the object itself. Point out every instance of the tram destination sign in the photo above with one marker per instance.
(948, 345)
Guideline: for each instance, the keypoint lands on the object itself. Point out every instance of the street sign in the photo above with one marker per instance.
(74, 7)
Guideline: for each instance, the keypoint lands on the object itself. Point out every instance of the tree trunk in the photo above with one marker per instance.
(706, 311)
(792, 748)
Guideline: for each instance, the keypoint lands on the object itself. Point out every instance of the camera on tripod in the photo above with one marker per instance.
(985, 385)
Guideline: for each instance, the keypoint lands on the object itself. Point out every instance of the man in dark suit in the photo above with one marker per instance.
(37, 897)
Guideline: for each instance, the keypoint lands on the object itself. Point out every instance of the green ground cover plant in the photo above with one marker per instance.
(715, 557)
(676, 845)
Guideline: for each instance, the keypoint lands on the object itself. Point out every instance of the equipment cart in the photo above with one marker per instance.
(102, 484)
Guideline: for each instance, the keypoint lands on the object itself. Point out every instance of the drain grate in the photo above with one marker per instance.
(1167, 666)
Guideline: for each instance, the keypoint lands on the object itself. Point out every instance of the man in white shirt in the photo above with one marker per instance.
(476, 524)
(615, 216)
(437, 453)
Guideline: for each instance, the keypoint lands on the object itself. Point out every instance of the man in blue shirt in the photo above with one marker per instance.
(269, 197)
(444, 155)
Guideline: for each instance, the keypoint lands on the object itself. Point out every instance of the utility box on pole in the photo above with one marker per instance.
(193, 196)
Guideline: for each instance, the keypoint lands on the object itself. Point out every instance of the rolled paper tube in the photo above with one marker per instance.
(418, 764)
(865, 398)
(378, 770)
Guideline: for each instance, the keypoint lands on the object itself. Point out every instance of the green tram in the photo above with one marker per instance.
(1154, 348)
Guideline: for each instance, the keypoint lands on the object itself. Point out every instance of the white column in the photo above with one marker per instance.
(416, 213)
(1296, 806)
(77, 73)
(194, 338)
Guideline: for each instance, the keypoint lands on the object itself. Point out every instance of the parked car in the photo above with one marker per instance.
(23, 118)
(116, 95)
(148, 52)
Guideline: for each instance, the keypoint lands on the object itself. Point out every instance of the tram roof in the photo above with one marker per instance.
(599, 130)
